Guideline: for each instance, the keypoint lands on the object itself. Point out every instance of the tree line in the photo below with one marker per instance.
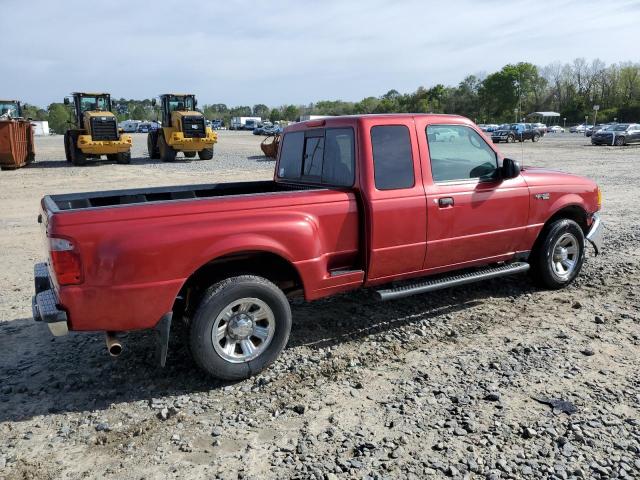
(571, 89)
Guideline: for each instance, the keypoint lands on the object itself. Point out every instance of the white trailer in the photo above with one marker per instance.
(40, 127)
(240, 123)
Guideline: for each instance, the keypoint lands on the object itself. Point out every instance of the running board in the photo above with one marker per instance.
(452, 281)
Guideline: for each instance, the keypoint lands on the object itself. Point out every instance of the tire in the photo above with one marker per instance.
(237, 363)
(189, 154)
(152, 145)
(124, 158)
(550, 266)
(619, 141)
(77, 157)
(206, 154)
(510, 139)
(67, 146)
(535, 138)
(167, 154)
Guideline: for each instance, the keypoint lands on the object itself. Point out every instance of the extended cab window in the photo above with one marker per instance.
(459, 153)
(392, 160)
(319, 156)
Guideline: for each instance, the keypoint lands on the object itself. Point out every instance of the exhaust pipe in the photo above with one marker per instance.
(113, 344)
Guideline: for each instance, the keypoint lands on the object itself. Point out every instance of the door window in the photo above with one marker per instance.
(392, 159)
(459, 153)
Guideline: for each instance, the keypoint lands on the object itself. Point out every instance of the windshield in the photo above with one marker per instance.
(9, 108)
(91, 103)
(180, 103)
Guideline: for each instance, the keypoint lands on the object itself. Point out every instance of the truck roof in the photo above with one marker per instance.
(342, 119)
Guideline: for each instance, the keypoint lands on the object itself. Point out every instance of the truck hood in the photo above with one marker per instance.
(536, 176)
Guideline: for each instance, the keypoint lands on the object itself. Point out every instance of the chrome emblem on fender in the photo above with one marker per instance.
(542, 196)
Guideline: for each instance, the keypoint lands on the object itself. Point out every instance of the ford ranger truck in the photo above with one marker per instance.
(374, 201)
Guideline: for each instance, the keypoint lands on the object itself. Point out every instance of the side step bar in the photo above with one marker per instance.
(452, 281)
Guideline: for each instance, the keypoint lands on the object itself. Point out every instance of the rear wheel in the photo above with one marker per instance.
(240, 327)
(77, 156)
(206, 153)
(619, 141)
(511, 139)
(535, 138)
(152, 145)
(167, 153)
(189, 154)
(559, 254)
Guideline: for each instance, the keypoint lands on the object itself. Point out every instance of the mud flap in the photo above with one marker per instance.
(162, 329)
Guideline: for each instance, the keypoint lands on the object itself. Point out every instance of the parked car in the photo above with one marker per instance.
(144, 127)
(555, 129)
(446, 135)
(541, 127)
(617, 134)
(516, 131)
(224, 258)
(577, 129)
(594, 128)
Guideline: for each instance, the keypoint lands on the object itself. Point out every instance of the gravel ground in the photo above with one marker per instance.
(453, 384)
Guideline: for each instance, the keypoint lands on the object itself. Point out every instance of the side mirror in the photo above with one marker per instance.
(153, 102)
(66, 100)
(510, 168)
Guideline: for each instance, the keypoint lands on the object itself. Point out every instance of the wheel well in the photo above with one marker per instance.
(571, 212)
(264, 264)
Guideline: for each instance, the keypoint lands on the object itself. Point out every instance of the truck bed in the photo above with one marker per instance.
(80, 201)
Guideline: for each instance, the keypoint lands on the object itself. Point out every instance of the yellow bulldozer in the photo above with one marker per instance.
(95, 131)
(183, 129)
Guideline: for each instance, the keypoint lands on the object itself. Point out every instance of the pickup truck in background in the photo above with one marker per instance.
(385, 202)
(516, 131)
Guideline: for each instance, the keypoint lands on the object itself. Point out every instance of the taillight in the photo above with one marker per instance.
(599, 198)
(65, 261)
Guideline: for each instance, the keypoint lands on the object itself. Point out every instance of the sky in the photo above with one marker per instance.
(293, 51)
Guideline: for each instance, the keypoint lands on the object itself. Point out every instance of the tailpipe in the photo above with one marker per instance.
(113, 344)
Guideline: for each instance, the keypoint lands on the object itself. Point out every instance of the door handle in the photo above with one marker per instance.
(445, 202)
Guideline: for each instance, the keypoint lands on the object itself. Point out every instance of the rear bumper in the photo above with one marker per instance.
(44, 304)
(104, 147)
(594, 236)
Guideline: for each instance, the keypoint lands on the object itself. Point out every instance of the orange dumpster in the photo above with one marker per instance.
(16, 144)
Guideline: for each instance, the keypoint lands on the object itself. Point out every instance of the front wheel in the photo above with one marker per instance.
(535, 138)
(167, 153)
(511, 139)
(240, 327)
(206, 153)
(558, 255)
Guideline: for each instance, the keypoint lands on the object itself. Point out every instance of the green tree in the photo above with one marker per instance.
(290, 112)
(59, 117)
(261, 110)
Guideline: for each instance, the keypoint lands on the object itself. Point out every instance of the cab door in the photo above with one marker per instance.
(394, 198)
(474, 216)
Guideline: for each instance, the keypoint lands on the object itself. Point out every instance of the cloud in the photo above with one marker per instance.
(285, 51)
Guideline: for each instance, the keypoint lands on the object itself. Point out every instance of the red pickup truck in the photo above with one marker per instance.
(395, 203)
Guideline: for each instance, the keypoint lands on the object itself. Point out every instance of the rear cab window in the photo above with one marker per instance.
(319, 156)
(392, 159)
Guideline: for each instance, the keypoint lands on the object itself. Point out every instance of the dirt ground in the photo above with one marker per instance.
(439, 385)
